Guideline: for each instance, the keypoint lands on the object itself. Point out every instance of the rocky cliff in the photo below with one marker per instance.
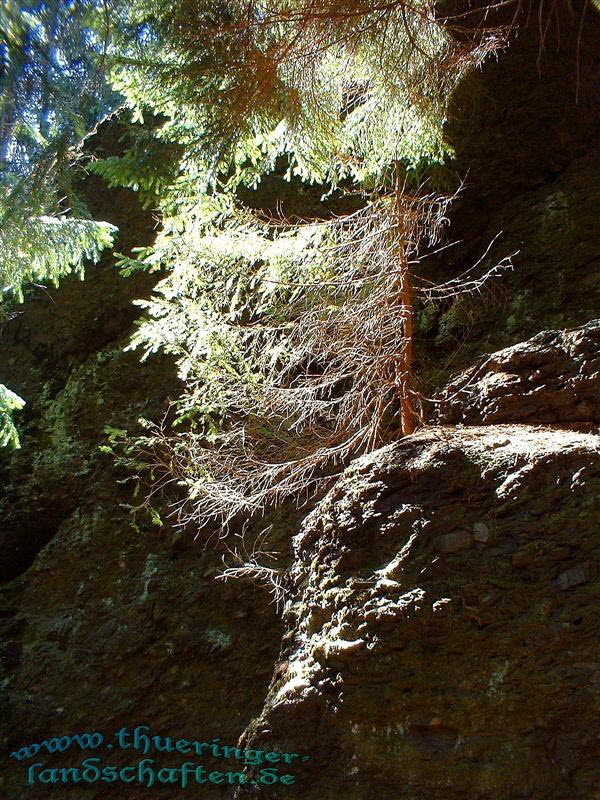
(436, 635)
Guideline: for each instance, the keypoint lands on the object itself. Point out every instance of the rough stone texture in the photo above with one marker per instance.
(475, 672)
(62, 351)
(553, 232)
(552, 378)
(416, 670)
(112, 627)
(529, 156)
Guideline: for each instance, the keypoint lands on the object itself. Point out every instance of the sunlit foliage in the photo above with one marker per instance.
(53, 93)
(294, 340)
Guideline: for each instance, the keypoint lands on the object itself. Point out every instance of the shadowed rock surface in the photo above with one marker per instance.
(441, 641)
(441, 637)
(552, 378)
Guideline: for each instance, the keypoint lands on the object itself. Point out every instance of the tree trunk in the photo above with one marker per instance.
(403, 366)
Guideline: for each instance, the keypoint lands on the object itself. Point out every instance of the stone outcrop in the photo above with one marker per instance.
(440, 630)
(552, 378)
(442, 633)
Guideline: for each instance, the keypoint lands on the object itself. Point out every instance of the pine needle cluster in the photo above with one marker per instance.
(294, 341)
(53, 92)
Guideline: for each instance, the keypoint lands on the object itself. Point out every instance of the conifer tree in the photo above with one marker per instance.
(53, 93)
(294, 340)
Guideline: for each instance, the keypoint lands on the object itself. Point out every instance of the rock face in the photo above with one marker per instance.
(442, 635)
(552, 378)
(117, 628)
